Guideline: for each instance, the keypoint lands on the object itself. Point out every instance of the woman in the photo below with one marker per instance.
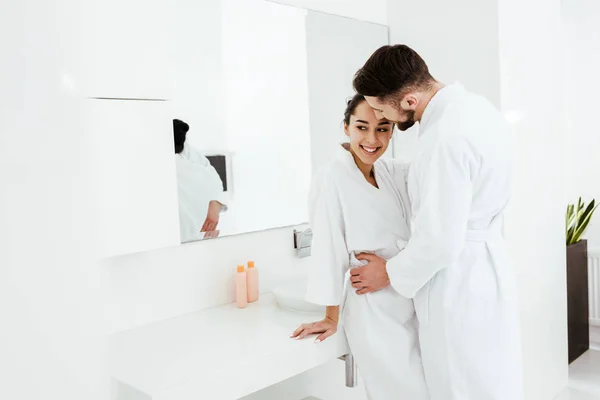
(359, 203)
(199, 189)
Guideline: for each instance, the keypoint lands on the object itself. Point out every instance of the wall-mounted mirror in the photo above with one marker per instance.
(258, 92)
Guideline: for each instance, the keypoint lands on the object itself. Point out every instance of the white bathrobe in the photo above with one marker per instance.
(198, 183)
(348, 215)
(455, 265)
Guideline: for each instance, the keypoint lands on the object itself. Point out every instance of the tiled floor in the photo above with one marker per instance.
(584, 378)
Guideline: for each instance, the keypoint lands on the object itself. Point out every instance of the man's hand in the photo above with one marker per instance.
(371, 277)
(212, 217)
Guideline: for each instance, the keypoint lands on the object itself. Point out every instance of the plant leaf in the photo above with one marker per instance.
(579, 214)
(571, 222)
(570, 209)
(570, 217)
(590, 207)
(585, 220)
(572, 226)
(570, 233)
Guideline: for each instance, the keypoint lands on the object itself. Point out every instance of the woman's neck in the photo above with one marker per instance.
(366, 169)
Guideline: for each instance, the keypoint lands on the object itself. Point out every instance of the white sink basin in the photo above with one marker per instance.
(291, 297)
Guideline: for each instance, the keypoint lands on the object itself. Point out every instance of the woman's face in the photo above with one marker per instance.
(369, 136)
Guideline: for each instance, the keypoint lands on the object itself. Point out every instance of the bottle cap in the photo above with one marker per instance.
(250, 264)
(240, 268)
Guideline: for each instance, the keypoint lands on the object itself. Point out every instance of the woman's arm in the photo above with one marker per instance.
(329, 254)
(325, 328)
(329, 259)
(212, 216)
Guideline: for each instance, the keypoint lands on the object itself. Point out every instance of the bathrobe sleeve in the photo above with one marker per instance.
(216, 186)
(329, 255)
(400, 171)
(212, 181)
(444, 191)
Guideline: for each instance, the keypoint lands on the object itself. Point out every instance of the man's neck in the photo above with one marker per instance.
(426, 98)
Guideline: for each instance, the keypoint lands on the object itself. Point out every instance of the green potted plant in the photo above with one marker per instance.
(577, 220)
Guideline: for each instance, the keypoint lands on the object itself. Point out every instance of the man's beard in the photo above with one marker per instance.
(406, 125)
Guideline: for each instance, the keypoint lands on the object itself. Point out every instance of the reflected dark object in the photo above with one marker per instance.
(219, 163)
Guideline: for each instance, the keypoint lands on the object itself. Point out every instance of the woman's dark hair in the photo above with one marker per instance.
(180, 130)
(354, 102)
(390, 71)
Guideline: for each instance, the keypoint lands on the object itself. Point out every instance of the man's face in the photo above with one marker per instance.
(404, 119)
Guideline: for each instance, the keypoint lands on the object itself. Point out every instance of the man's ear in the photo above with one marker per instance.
(409, 102)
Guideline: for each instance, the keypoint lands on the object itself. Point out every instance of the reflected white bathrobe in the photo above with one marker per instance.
(348, 216)
(455, 265)
(198, 183)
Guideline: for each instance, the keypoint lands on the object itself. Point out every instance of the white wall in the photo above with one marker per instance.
(51, 293)
(582, 56)
(531, 86)
(364, 10)
(133, 175)
(124, 51)
(132, 154)
(508, 51)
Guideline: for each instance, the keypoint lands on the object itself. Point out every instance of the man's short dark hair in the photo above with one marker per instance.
(391, 71)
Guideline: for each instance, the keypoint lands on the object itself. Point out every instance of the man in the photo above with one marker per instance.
(455, 265)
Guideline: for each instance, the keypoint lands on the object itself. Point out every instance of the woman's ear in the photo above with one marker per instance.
(346, 129)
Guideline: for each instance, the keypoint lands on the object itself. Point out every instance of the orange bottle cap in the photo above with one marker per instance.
(240, 268)
(250, 264)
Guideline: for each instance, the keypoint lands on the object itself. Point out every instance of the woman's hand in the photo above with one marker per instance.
(211, 234)
(212, 217)
(324, 328)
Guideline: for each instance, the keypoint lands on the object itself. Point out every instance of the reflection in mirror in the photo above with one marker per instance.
(258, 93)
(200, 189)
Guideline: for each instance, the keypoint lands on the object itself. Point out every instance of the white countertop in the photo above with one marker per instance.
(220, 353)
